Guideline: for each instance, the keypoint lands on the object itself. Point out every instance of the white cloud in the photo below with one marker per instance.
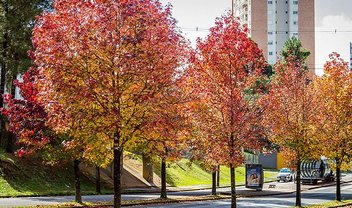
(328, 41)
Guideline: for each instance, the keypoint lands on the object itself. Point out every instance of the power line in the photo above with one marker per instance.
(335, 31)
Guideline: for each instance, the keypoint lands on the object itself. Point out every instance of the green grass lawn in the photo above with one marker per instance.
(182, 173)
(346, 203)
(30, 177)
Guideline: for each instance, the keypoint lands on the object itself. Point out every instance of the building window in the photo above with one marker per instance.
(295, 22)
(270, 2)
(295, 34)
(270, 42)
(295, 2)
(295, 12)
(270, 53)
(286, 22)
(270, 33)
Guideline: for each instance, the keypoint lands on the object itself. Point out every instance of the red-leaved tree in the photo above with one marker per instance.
(27, 120)
(226, 66)
(27, 117)
(102, 63)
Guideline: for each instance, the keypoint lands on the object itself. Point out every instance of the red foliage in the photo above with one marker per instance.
(227, 64)
(102, 65)
(26, 116)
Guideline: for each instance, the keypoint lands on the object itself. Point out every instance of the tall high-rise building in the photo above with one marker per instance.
(351, 56)
(272, 22)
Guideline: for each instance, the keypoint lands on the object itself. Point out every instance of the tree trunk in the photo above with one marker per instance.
(218, 177)
(11, 137)
(118, 153)
(298, 184)
(10, 146)
(338, 182)
(163, 194)
(78, 197)
(213, 187)
(97, 180)
(233, 186)
(147, 168)
(5, 43)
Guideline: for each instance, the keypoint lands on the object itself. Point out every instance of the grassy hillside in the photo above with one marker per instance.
(182, 173)
(30, 177)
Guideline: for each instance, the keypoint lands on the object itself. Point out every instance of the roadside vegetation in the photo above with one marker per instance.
(30, 177)
(184, 173)
(345, 204)
(332, 204)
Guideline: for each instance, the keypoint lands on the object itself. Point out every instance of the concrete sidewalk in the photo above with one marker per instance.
(174, 193)
(269, 188)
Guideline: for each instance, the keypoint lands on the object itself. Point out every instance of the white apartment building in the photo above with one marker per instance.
(272, 22)
(351, 56)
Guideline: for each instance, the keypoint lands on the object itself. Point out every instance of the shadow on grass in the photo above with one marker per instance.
(157, 171)
(31, 177)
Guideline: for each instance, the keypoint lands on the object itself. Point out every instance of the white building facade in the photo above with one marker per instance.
(272, 22)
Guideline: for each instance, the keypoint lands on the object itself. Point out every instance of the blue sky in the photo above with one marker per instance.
(330, 15)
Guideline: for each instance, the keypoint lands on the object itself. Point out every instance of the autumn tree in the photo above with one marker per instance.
(167, 139)
(226, 64)
(101, 66)
(335, 93)
(167, 131)
(17, 19)
(289, 110)
(27, 117)
(27, 120)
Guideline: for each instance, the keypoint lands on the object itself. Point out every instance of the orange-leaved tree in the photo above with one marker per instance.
(335, 95)
(167, 131)
(290, 110)
(27, 120)
(226, 64)
(101, 65)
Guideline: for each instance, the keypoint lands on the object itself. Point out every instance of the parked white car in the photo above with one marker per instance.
(285, 175)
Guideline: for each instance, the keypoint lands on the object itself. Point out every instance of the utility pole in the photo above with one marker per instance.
(232, 12)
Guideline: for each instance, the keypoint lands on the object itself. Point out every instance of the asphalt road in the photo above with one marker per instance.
(315, 196)
(308, 197)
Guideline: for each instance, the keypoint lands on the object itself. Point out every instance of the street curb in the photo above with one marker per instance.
(327, 185)
(180, 190)
(172, 201)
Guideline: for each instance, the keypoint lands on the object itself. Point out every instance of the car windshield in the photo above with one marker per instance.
(284, 171)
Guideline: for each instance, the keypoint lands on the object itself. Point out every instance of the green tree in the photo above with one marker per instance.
(293, 49)
(17, 19)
